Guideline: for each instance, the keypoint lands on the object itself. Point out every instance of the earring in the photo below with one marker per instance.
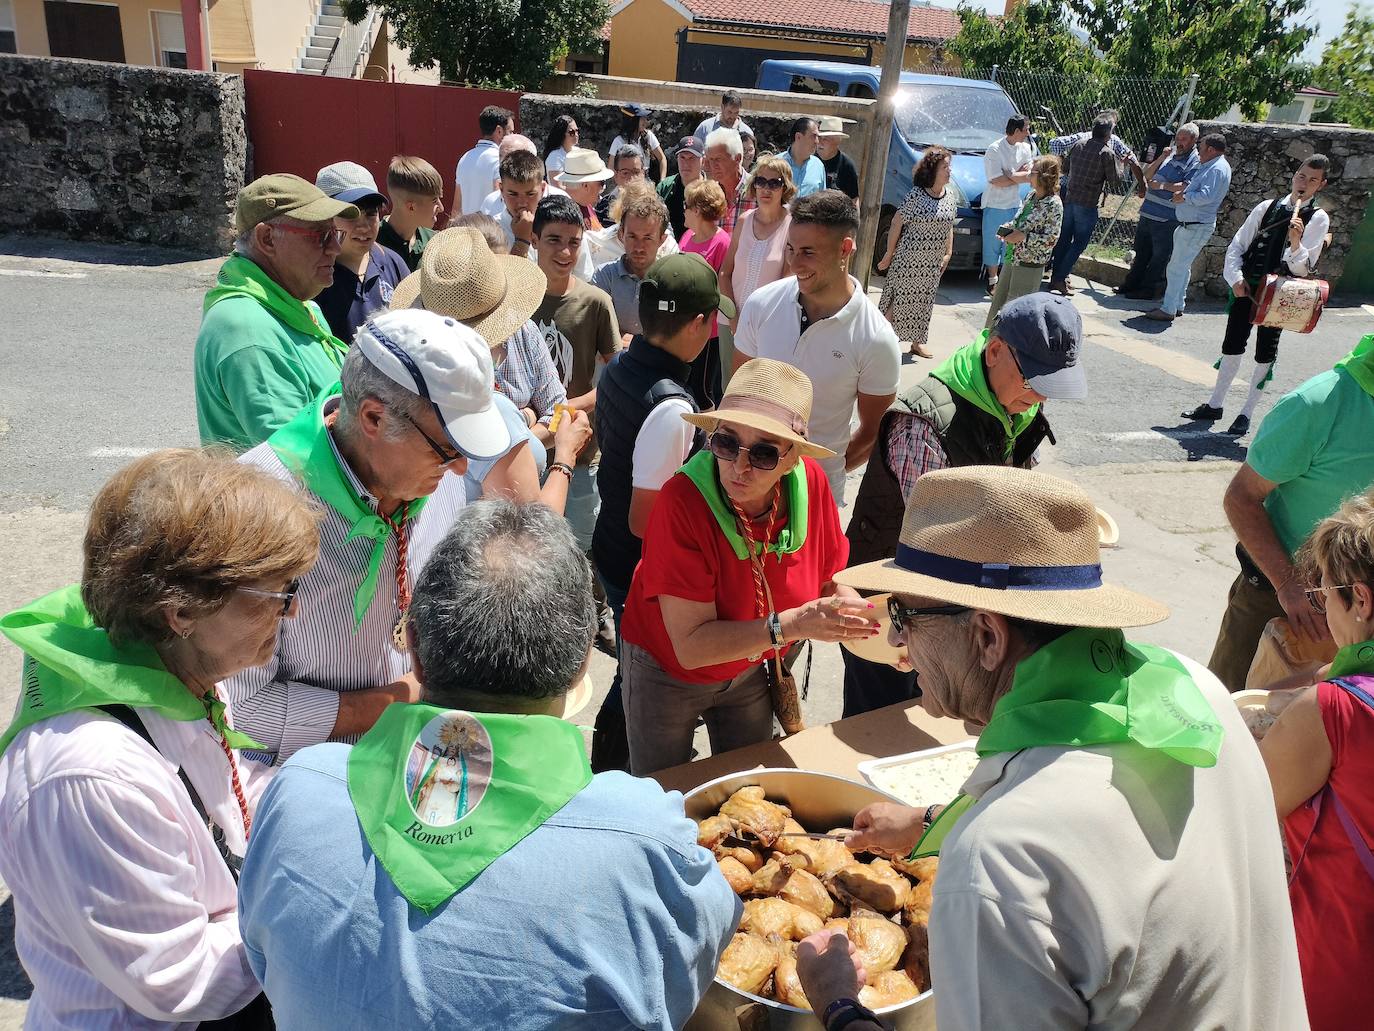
(186, 633)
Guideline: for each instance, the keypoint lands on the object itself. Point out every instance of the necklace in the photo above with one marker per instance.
(398, 633)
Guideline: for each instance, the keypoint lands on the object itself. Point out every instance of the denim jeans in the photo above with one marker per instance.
(1188, 243)
(582, 505)
(1079, 222)
(992, 243)
(1154, 244)
(610, 748)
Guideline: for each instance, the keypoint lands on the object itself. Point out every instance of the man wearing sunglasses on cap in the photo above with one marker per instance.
(383, 454)
(264, 347)
(980, 407)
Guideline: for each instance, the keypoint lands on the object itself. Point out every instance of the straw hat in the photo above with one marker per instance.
(1006, 540)
(584, 166)
(769, 396)
(829, 125)
(461, 278)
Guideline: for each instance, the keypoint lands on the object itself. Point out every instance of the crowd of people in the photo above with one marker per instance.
(326, 662)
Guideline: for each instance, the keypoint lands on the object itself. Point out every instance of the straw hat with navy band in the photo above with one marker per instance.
(1005, 540)
(769, 396)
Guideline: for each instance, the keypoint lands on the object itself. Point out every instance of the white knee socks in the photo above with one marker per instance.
(1256, 380)
(1226, 372)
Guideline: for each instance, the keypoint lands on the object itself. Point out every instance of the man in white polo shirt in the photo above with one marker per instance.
(820, 320)
(477, 170)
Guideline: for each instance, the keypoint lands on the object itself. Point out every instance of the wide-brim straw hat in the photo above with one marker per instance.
(1007, 540)
(459, 277)
(583, 166)
(769, 396)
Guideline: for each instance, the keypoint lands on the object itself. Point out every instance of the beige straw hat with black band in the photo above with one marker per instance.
(769, 396)
(459, 277)
(1007, 540)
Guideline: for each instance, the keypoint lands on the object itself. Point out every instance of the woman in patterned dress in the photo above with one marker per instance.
(921, 241)
(1030, 237)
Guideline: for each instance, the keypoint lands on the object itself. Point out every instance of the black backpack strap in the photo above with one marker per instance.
(665, 390)
(126, 715)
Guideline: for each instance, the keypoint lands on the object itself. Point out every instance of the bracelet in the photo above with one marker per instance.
(843, 1012)
(775, 629)
(929, 817)
(562, 467)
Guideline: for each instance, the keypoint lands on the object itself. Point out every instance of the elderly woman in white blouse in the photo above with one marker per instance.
(124, 808)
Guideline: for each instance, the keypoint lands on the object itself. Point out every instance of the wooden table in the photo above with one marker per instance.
(835, 748)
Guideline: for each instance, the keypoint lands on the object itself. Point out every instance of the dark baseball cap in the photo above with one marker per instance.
(683, 282)
(1045, 332)
(692, 144)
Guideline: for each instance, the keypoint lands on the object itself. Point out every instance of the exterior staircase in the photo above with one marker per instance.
(323, 39)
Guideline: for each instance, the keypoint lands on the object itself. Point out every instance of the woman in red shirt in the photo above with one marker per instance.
(1320, 756)
(737, 566)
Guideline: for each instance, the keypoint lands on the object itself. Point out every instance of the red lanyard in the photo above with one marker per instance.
(402, 579)
(234, 779)
(745, 524)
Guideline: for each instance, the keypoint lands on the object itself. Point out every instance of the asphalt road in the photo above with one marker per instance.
(96, 369)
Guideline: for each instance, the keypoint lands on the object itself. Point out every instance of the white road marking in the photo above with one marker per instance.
(41, 273)
(1136, 436)
(121, 452)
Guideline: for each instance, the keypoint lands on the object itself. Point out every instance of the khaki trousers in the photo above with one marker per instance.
(1248, 609)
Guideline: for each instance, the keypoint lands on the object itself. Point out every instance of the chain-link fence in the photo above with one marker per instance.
(1060, 105)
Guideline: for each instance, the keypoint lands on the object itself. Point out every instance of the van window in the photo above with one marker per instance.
(860, 90)
(813, 85)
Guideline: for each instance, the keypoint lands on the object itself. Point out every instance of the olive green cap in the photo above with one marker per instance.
(683, 282)
(272, 196)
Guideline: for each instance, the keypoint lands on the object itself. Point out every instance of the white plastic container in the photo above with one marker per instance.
(940, 782)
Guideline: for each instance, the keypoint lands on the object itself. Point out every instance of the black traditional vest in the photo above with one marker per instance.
(1265, 253)
(635, 382)
(968, 435)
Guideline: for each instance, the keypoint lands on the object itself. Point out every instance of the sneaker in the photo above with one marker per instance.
(1160, 315)
(1205, 413)
(1240, 427)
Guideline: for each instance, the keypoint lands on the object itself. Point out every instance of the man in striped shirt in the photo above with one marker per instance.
(385, 460)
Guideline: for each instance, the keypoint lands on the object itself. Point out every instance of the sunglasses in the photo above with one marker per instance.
(726, 447)
(322, 237)
(1316, 596)
(445, 456)
(902, 616)
(287, 596)
(769, 184)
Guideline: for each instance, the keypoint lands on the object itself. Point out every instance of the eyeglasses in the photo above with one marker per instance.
(769, 184)
(1316, 596)
(287, 596)
(322, 237)
(901, 616)
(445, 456)
(726, 447)
(574, 131)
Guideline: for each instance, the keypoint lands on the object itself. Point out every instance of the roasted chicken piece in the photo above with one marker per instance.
(787, 987)
(917, 904)
(917, 869)
(747, 962)
(888, 989)
(749, 858)
(736, 875)
(773, 875)
(916, 961)
(806, 890)
(778, 916)
(754, 816)
(823, 855)
(875, 884)
(713, 829)
(880, 942)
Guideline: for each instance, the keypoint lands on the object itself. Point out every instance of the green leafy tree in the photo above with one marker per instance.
(1034, 37)
(513, 44)
(1243, 51)
(1347, 68)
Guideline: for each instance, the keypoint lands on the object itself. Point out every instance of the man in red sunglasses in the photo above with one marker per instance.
(264, 347)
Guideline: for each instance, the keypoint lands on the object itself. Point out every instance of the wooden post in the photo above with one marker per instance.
(879, 136)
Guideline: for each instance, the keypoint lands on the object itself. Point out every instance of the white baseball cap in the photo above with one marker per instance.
(446, 363)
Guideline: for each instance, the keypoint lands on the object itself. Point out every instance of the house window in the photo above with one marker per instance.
(7, 40)
(89, 31)
(169, 39)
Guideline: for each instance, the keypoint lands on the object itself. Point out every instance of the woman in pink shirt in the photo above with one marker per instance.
(758, 248)
(703, 208)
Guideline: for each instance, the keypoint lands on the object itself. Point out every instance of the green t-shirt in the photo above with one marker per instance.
(254, 373)
(1318, 446)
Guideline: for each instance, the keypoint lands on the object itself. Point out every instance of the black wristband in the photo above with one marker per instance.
(843, 1012)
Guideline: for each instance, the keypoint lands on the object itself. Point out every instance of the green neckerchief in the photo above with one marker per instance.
(1016, 222)
(304, 447)
(70, 664)
(963, 373)
(1354, 659)
(701, 470)
(1360, 364)
(240, 277)
(1093, 687)
(442, 794)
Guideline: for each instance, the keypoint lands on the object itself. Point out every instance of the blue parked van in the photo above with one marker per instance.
(962, 115)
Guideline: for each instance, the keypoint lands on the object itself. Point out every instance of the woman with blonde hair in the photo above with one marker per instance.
(1030, 237)
(758, 246)
(704, 206)
(919, 246)
(125, 810)
(1320, 757)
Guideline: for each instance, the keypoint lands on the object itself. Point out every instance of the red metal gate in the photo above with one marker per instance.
(300, 123)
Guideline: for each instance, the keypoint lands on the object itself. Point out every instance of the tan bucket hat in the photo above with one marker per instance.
(584, 166)
(829, 125)
(1006, 540)
(769, 396)
(459, 277)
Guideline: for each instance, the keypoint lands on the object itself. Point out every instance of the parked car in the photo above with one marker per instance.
(962, 115)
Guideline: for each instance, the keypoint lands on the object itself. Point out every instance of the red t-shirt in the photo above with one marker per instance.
(687, 556)
(1332, 894)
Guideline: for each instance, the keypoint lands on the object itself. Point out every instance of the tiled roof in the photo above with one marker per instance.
(853, 17)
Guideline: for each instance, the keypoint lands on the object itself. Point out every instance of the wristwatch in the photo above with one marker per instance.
(775, 630)
(843, 1012)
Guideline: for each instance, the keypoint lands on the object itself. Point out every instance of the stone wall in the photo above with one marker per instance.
(1263, 158)
(98, 151)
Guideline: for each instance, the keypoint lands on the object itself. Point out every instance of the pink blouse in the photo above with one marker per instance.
(757, 262)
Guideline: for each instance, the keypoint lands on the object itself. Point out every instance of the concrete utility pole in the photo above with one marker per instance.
(879, 136)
